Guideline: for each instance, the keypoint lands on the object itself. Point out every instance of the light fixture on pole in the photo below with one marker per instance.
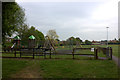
(107, 36)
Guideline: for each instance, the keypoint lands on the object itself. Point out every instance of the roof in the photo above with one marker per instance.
(31, 37)
(17, 38)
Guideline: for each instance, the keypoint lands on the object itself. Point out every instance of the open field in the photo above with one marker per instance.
(60, 66)
(55, 68)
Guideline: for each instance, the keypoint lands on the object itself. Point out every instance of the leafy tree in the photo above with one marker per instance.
(87, 42)
(52, 34)
(78, 39)
(71, 41)
(32, 31)
(115, 39)
(13, 17)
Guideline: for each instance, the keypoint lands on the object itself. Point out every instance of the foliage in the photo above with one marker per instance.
(73, 41)
(52, 34)
(13, 17)
(78, 39)
(87, 42)
(32, 31)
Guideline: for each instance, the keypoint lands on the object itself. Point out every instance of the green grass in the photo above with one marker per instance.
(11, 66)
(63, 68)
(78, 69)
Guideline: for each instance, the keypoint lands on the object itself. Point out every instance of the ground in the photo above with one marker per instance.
(61, 67)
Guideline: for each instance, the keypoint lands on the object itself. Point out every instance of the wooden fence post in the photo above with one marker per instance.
(15, 52)
(110, 53)
(44, 54)
(96, 53)
(20, 52)
(73, 54)
(50, 53)
(33, 53)
(107, 52)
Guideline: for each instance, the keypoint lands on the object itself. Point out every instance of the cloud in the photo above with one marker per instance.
(88, 20)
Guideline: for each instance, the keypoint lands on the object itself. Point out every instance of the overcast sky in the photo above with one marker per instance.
(87, 20)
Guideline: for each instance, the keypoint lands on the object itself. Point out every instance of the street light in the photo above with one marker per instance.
(107, 36)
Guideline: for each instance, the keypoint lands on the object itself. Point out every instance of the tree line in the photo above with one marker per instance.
(13, 22)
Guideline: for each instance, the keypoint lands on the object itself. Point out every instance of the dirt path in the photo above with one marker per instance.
(31, 71)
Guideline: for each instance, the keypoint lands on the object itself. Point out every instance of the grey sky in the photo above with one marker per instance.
(87, 20)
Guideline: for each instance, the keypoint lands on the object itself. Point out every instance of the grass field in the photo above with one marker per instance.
(55, 68)
(60, 66)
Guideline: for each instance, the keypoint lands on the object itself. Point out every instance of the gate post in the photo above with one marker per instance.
(95, 53)
(107, 52)
(110, 53)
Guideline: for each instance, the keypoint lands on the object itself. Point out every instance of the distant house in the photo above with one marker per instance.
(113, 41)
(96, 42)
(103, 42)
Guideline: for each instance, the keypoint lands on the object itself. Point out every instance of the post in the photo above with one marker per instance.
(33, 53)
(107, 52)
(73, 53)
(110, 53)
(95, 53)
(20, 52)
(50, 53)
(15, 52)
(44, 55)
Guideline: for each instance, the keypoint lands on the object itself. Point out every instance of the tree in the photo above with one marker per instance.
(52, 34)
(115, 39)
(71, 41)
(87, 42)
(13, 17)
(32, 31)
(78, 39)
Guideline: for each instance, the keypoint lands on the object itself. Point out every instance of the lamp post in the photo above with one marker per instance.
(107, 36)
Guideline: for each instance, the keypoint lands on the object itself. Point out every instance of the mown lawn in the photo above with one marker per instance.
(11, 66)
(63, 68)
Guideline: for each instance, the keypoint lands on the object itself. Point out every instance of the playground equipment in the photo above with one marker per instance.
(16, 42)
(31, 43)
(49, 44)
(48, 48)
